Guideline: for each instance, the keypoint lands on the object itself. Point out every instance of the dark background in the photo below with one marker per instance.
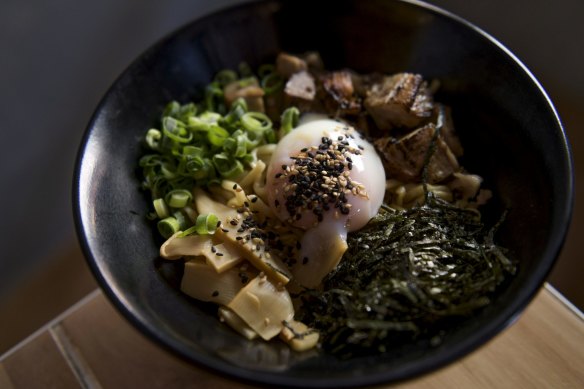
(59, 57)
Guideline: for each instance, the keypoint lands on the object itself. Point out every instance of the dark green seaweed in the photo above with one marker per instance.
(403, 273)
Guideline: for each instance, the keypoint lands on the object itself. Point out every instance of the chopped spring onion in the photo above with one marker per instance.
(199, 144)
(266, 69)
(153, 137)
(204, 225)
(214, 98)
(176, 130)
(256, 122)
(272, 83)
(227, 167)
(289, 120)
(217, 135)
(168, 227)
(181, 220)
(160, 208)
(225, 77)
(178, 198)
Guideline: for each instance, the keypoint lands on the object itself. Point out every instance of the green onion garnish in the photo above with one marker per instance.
(160, 208)
(289, 120)
(178, 198)
(198, 144)
(168, 227)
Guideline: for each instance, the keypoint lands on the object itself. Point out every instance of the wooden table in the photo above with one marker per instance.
(92, 346)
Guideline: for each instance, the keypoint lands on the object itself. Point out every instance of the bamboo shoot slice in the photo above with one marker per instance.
(177, 247)
(263, 306)
(299, 336)
(229, 317)
(203, 283)
(323, 247)
(222, 256)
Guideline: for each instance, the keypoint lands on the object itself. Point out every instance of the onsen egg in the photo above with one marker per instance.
(361, 167)
(326, 179)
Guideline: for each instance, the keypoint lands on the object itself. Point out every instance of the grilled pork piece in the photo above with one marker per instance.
(300, 90)
(447, 131)
(251, 92)
(340, 95)
(401, 100)
(287, 65)
(404, 159)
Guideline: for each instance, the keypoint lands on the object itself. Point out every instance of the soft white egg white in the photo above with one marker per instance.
(324, 242)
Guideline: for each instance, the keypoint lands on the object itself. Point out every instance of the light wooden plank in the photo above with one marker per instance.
(5, 381)
(543, 349)
(119, 356)
(39, 364)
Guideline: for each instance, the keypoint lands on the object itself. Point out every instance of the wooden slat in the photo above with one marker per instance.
(39, 364)
(120, 357)
(5, 381)
(544, 349)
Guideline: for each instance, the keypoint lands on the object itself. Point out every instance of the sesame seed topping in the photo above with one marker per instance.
(319, 177)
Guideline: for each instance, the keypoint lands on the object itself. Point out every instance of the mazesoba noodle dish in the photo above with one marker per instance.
(325, 208)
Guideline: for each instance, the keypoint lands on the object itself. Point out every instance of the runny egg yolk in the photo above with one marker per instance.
(327, 180)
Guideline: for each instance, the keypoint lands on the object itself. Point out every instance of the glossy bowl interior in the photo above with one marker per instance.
(511, 133)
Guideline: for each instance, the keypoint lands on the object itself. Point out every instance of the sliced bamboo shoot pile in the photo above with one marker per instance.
(263, 306)
(238, 226)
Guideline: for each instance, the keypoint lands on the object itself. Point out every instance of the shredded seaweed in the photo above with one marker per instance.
(404, 272)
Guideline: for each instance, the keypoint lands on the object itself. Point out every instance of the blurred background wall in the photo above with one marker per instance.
(57, 58)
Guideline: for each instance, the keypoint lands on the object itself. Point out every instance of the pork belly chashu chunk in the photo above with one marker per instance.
(287, 65)
(404, 159)
(401, 100)
(340, 94)
(300, 90)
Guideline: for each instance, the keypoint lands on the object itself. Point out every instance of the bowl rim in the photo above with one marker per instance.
(507, 317)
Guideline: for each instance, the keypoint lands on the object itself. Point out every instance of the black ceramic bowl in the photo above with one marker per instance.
(510, 130)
